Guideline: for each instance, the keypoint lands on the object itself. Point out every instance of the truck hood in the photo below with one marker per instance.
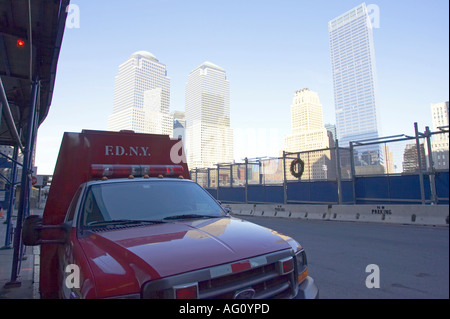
(141, 253)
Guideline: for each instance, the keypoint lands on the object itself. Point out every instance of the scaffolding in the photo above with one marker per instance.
(31, 35)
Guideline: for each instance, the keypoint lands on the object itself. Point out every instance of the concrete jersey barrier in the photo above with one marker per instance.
(437, 215)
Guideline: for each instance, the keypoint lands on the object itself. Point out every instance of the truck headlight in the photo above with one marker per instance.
(302, 266)
(300, 259)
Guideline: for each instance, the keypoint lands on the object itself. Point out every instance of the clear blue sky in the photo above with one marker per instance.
(269, 50)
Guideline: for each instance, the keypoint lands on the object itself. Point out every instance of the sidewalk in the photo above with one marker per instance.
(29, 270)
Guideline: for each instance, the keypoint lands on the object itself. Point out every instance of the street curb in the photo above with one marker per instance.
(36, 266)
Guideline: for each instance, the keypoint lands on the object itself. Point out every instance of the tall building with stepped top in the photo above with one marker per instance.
(309, 135)
(142, 96)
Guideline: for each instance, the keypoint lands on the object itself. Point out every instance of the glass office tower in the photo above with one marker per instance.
(209, 138)
(354, 78)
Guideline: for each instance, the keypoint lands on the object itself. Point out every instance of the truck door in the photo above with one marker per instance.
(69, 274)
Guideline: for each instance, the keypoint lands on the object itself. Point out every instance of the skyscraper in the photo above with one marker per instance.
(179, 124)
(209, 138)
(440, 142)
(308, 131)
(142, 96)
(354, 78)
(309, 134)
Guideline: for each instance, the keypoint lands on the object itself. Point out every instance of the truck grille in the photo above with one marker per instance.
(265, 279)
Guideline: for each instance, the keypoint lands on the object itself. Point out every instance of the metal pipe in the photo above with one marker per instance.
(352, 167)
(338, 172)
(419, 161)
(11, 197)
(8, 116)
(285, 199)
(30, 39)
(246, 180)
(431, 162)
(25, 186)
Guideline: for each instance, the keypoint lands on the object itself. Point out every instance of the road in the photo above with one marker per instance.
(413, 261)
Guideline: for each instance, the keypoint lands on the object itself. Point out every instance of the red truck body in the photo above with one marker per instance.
(186, 253)
(73, 167)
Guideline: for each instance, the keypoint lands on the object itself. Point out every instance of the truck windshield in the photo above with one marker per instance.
(147, 201)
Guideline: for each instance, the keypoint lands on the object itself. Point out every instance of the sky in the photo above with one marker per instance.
(269, 50)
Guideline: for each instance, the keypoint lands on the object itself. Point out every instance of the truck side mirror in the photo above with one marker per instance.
(227, 209)
(35, 233)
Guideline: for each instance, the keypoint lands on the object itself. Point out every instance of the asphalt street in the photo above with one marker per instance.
(413, 261)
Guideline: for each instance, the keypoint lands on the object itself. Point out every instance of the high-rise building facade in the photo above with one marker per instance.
(331, 128)
(354, 79)
(440, 142)
(309, 134)
(308, 131)
(411, 159)
(179, 124)
(209, 138)
(142, 96)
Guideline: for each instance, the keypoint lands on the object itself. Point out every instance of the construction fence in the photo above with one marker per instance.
(396, 169)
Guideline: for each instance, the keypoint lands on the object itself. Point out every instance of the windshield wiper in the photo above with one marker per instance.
(190, 216)
(124, 222)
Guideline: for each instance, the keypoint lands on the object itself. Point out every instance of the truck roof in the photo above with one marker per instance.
(139, 179)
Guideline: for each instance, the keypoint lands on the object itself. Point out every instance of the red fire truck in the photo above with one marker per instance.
(124, 220)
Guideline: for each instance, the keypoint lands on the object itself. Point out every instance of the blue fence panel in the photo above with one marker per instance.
(321, 191)
(398, 189)
(298, 191)
(274, 194)
(347, 192)
(265, 194)
(403, 189)
(324, 191)
(255, 193)
(442, 188)
(212, 191)
(408, 187)
(371, 187)
(231, 194)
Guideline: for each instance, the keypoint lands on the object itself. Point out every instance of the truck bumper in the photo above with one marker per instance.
(308, 289)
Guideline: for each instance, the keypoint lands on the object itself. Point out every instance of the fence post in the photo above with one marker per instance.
(430, 160)
(231, 175)
(284, 179)
(352, 167)
(338, 172)
(260, 173)
(419, 161)
(218, 180)
(246, 180)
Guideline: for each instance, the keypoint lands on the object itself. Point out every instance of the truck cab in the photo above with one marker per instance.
(124, 220)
